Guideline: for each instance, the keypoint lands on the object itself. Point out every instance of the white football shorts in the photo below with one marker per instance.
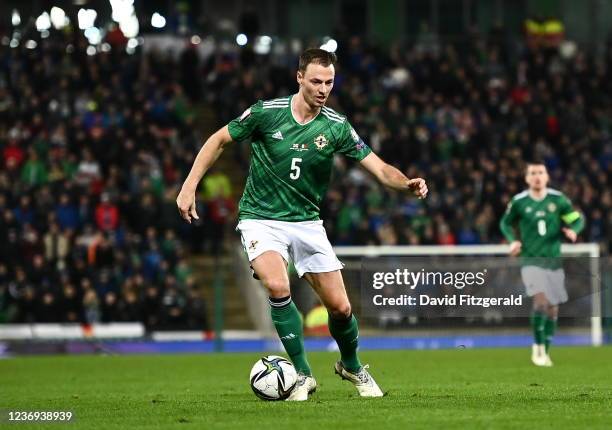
(549, 282)
(304, 243)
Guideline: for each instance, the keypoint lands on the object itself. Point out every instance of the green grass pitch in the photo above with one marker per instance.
(467, 389)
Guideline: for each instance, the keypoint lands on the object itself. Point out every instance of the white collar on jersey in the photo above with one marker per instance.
(293, 116)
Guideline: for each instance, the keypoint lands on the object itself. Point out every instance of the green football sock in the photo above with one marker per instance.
(538, 322)
(346, 333)
(549, 331)
(288, 323)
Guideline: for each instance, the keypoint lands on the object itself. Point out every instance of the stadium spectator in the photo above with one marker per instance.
(107, 214)
(89, 148)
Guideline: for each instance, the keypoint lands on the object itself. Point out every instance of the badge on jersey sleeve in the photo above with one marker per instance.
(359, 144)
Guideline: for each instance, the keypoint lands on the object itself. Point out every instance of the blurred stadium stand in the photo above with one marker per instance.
(96, 137)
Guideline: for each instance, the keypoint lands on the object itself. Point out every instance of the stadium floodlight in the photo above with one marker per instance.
(91, 50)
(43, 22)
(31, 44)
(86, 18)
(105, 47)
(195, 39)
(568, 49)
(125, 14)
(132, 43)
(330, 45)
(130, 26)
(122, 9)
(263, 45)
(59, 18)
(242, 39)
(93, 35)
(15, 18)
(158, 21)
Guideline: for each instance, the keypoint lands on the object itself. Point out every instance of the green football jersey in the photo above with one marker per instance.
(540, 223)
(291, 163)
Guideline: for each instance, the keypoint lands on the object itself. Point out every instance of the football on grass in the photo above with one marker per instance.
(273, 378)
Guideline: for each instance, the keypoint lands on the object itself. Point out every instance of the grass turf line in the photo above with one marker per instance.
(481, 388)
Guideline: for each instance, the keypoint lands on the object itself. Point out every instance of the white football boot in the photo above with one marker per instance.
(304, 386)
(548, 362)
(362, 380)
(538, 355)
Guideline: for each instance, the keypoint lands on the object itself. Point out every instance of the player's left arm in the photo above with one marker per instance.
(572, 218)
(393, 177)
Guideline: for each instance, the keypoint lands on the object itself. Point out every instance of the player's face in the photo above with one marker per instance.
(536, 177)
(316, 83)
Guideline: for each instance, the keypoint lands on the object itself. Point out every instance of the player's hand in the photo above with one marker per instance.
(418, 186)
(186, 205)
(515, 248)
(570, 234)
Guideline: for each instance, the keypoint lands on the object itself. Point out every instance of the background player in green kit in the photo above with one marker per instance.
(543, 215)
(294, 140)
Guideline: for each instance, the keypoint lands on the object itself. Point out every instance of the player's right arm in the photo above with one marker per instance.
(208, 154)
(506, 225)
(241, 128)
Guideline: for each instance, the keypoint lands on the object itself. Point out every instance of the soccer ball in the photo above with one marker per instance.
(273, 378)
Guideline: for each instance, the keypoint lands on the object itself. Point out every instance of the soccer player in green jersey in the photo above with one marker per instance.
(293, 143)
(544, 216)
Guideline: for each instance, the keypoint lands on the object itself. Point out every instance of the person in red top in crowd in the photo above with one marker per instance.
(445, 235)
(107, 214)
(13, 154)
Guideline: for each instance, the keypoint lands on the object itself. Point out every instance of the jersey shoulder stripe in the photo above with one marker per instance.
(554, 192)
(332, 112)
(520, 195)
(284, 100)
(333, 117)
(276, 103)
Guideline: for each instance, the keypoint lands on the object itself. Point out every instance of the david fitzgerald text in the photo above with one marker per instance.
(454, 300)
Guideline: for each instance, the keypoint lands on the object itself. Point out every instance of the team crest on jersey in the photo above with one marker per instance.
(552, 207)
(300, 147)
(320, 141)
(528, 209)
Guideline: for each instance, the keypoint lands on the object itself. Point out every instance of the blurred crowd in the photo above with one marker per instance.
(465, 116)
(92, 150)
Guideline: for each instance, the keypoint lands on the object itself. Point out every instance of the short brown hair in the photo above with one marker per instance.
(534, 162)
(316, 56)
